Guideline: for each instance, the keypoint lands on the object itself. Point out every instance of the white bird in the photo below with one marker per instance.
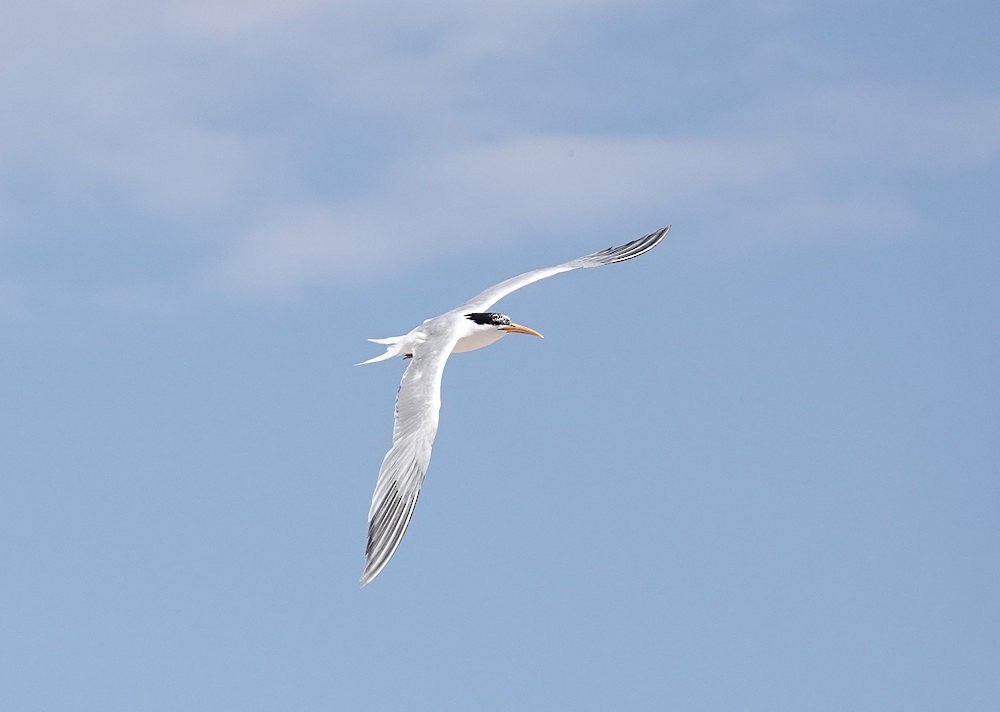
(418, 401)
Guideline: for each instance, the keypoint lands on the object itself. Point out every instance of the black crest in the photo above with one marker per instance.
(488, 318)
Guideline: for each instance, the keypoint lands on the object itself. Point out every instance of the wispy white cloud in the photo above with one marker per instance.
(231, 20)
(494, 191)
(304, 242)
(134, 94)
(166, 106)
(826, 178)
(903, 125)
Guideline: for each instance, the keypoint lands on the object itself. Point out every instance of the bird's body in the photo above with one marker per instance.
(465, 328)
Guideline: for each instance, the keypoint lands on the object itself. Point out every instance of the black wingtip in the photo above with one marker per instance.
(627, 251)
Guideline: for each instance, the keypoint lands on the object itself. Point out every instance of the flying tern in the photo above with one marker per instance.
(465, 328)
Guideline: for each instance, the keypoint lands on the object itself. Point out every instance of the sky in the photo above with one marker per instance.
(753, 469)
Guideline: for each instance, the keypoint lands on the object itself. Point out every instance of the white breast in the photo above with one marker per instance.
(478, 340)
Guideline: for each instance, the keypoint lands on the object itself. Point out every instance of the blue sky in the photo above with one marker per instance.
(754, 469)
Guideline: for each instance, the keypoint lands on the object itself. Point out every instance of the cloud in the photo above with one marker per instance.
(886, 122)
(237, 124)
(827, 181)
(492, 191)
(162, 101)
(302, 243)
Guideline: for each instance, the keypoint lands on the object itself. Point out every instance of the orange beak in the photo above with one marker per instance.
(518, 329)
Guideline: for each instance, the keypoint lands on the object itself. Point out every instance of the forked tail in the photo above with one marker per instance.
(394, 348)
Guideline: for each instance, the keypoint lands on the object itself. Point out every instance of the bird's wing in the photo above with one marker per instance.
(403, 467)
(492, 295)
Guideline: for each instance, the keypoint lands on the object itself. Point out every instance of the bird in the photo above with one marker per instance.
(418, 401)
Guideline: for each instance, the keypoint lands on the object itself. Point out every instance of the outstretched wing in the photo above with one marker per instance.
(491, 296)
(417, 405)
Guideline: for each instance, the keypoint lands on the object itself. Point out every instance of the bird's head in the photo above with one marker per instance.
(499, 322)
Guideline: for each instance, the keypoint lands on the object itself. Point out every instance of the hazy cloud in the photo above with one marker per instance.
(196, 112)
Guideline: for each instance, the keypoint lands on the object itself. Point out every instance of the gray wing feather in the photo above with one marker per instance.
(492, 295)
(404, 465)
